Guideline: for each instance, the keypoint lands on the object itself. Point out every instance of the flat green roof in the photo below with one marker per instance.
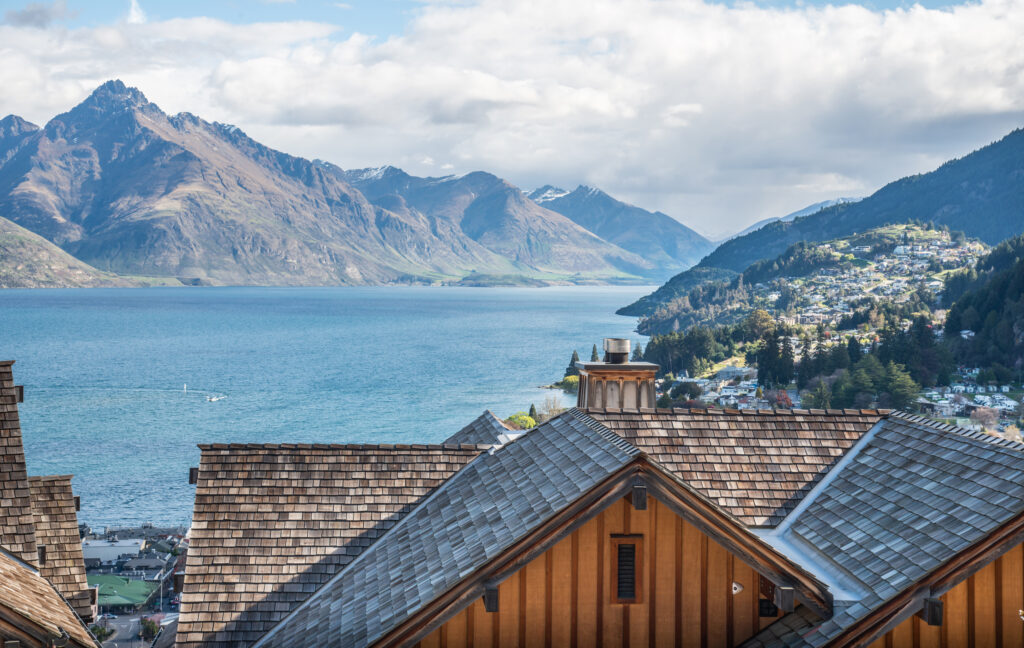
(118, 590)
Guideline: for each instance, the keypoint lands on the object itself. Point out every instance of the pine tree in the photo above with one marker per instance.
(533, 411)
(853, 349)
(571, 370)
(784, 369)
(638, 353)
(821, 397)
(900, 386)
(593, 355)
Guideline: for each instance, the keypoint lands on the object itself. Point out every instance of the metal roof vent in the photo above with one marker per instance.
(616, 350)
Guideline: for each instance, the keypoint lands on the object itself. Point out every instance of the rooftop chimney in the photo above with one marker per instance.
(616, 383)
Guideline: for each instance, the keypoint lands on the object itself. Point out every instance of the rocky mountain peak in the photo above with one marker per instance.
(12, 126)
(115, 94)
(546, 193)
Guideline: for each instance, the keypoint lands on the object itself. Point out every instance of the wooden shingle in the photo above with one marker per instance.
(272, 523)
(755, 464)
(17, 532)
(29, 602)
(56, 527)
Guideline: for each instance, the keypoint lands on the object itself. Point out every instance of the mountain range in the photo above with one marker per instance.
(980, 194)
(663, 240)
(788, 218)
(127, 189)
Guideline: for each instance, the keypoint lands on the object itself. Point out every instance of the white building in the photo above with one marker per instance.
(109, 551)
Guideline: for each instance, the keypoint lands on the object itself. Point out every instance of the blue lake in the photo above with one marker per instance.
(105, 373)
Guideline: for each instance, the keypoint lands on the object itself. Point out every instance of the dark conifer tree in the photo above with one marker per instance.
(571, 370)
(593, 355)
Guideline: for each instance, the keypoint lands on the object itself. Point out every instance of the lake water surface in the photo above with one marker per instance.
(105, 371)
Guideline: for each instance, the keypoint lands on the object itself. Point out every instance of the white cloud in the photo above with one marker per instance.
(719, 115)
(135, 13)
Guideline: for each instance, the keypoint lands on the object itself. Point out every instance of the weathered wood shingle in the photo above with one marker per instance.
(17, 532)
(272, 523)
(56, 527)
(489, 505)
(33, 603)
(755, 464)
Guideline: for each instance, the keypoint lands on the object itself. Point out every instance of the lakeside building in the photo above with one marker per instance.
(619, 525)
(44, 597)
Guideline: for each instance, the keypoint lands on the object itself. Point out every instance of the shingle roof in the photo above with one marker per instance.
(484, 429)
(30, 597)
(485, 508)
(755, 464)
(56, 525)
(17, 533)
(274, 522)
(914, 496)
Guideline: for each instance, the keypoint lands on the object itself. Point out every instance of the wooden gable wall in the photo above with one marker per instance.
(983, 610)
(564, 596)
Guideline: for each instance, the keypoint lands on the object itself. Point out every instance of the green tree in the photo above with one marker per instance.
(593, 355)
(638, 353)
(522, 421)
(757, 325)
(900, 387)
(820, 397)
(571, 370)
(149, 629)
(784, 369)
(533, 411)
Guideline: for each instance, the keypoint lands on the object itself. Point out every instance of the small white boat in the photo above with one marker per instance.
(214, 399)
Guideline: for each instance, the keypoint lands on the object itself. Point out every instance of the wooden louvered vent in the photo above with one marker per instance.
(626, 571)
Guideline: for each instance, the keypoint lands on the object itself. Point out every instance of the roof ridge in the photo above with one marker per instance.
(342, 446)
(607, 434)
(720, 411)
(973, 435)
(50, 477)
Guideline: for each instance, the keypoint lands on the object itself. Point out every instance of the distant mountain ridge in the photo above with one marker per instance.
(124, 187)
(653, 235)
(27, 260)
(980, 194)
(788, 218)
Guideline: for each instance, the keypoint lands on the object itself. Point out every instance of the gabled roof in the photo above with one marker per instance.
(502, 509)
(484, 429)
(899, 514)
(17, 532)
(56, 526)
(493, 502)
(30, 604)
(272, 523)
(756, 464)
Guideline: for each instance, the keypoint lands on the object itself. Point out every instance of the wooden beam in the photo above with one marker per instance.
(491, 597)
(639, 494)
(435, 614)
(741, 543)
(940, 581)
(931, 611)
(785, 599)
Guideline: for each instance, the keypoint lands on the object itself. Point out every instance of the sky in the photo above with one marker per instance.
(719, 114)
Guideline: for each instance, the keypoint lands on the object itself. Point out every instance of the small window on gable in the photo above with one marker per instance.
(627, 563)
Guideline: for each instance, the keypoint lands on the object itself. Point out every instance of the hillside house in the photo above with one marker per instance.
(44, 597)
(616, 525)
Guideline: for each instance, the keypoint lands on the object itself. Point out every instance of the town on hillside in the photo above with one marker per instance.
(910, 317)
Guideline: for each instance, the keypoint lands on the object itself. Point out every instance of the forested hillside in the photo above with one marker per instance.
(980, 194)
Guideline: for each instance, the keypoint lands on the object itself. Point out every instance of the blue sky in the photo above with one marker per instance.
(718, 114)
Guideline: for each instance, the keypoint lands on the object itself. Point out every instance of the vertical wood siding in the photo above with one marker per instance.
(563, 597)
(981, 612)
